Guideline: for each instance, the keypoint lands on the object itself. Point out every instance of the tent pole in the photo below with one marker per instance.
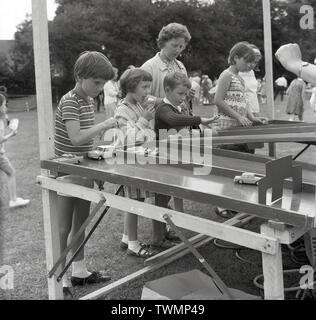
(46, 135)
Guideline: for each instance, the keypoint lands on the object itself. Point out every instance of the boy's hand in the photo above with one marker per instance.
(150, 101)
(244, 121)
(207, 121)
(110, 123)
(290, 57)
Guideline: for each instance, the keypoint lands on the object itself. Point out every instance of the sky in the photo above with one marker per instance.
(13, 12)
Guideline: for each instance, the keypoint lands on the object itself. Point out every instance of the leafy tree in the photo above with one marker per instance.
(126, 31)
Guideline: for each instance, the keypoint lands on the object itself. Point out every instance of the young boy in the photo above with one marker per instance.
(169, 112)
(74, 133)
(169, 116)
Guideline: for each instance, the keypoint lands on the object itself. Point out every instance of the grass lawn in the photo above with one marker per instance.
(22, 236)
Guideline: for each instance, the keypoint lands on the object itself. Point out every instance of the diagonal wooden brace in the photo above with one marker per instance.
(217, 280)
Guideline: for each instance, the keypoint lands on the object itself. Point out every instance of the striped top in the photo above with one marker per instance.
(73, 107)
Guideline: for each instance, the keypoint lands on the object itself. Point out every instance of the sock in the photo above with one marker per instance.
(134, 245)
(79, 269)
(125, 238)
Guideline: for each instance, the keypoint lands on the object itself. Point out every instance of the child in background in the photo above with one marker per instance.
(296, 98)
(111, 93)
(5, 164)
(230, 97)
(74, 133)
(169, 116)
(230, 94)
(134, 121)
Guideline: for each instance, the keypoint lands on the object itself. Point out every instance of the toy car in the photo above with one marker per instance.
(247, 178)
(143, 151)
(101, 152)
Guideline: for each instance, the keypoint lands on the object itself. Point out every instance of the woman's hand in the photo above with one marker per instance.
(244, 121)
(290, 57)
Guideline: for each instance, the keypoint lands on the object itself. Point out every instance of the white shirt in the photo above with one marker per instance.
(111, 91)
(251, 87)
(165, 100)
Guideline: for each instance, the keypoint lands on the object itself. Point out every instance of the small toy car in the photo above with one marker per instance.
(101, 152)
(145, 151)
(247, 178)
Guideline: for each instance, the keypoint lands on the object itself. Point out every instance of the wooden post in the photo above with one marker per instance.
(272, 269)
(46, 134)
(268, 63)
(268, 54)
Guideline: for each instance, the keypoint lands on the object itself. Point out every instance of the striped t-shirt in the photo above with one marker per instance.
(73, 107)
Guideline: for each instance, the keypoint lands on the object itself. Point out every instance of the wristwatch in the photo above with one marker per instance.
(303, 64)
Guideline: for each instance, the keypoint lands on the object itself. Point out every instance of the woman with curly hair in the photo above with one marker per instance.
(172, 40)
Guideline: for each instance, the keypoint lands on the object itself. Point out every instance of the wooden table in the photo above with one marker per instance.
(286, 220)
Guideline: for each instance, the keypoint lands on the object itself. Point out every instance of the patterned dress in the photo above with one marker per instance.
(235, 99)
(295, 103)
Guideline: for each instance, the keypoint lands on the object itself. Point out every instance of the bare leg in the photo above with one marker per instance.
(12, 186)
(10, 171)
(65, 208)
(81, 213)
(130, 226)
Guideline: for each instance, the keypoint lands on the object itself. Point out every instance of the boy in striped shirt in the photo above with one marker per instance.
(74, 133)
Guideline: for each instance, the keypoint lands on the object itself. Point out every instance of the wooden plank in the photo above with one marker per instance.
(214, 229)
(272, 269)
(167, 186)
(46, 133)
(268, 130)
(114, 285)
(280, 137)
(237, 220)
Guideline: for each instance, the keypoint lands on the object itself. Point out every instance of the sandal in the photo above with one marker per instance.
(171, 235)
(144, 252)
(124, 246)
(225, 213)
(162, 244)
(95, 277)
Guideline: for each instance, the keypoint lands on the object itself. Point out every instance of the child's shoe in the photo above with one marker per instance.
(18, 202)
